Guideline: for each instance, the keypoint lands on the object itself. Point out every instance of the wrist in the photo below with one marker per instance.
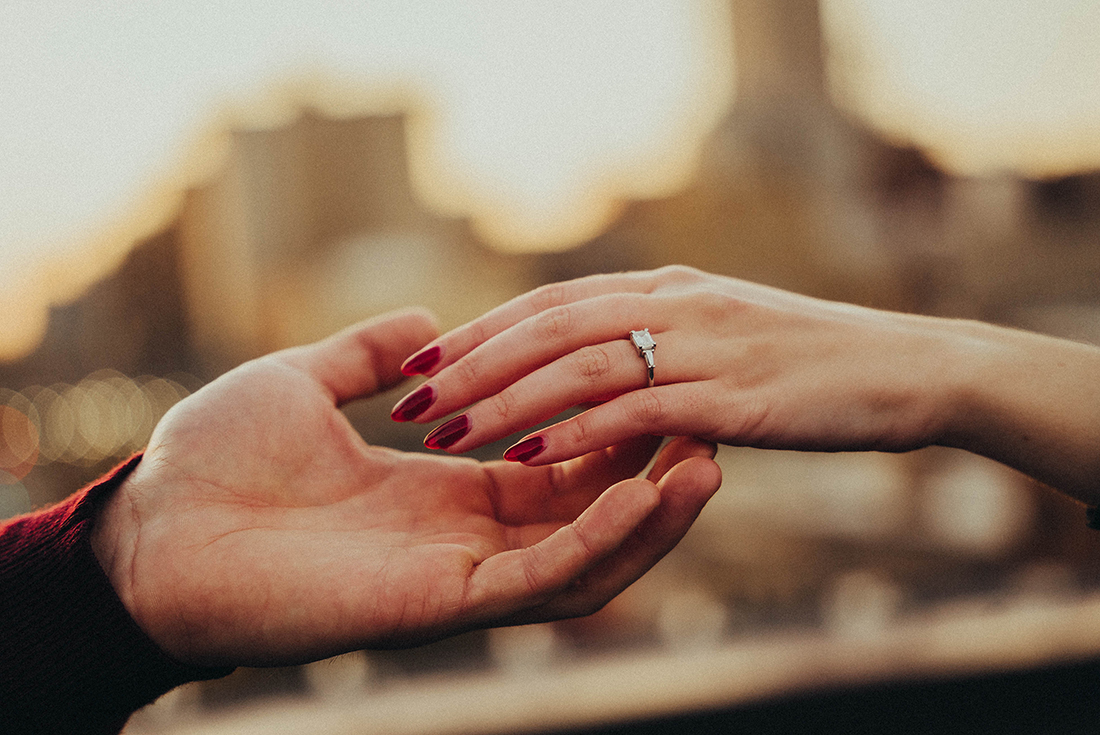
(938, 367)
(974, 362)
(74, 660)
(1032, 402)
(113, 540)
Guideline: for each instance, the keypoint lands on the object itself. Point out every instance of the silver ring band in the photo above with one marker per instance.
(645, 344)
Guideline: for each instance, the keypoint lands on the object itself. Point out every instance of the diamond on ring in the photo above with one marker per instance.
(645, 343)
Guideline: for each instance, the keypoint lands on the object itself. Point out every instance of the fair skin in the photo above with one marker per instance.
(747, 365)
(260, 529)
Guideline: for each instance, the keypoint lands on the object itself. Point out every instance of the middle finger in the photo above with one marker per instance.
(533, 343)
(590, 374)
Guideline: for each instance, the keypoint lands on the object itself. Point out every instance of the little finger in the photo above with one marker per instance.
(677, 409)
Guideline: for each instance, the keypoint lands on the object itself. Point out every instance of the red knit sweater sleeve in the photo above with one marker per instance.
(72, 660)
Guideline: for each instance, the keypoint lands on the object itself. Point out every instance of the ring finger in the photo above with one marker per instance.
(528, 346)
(590, 374)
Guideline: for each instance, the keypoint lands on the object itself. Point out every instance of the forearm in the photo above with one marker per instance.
(1031, 402)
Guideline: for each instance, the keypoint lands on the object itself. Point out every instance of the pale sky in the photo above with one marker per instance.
(985, 85)
(542, 112)
(100, 99)
(533, 107)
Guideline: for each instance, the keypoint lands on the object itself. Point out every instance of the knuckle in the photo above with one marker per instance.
(678, 274)
(590, 550)
(552, 323)
(592, 362)
(503, 404)
(644, 407)
(478, 333)
(711, 302)
(463, 380)
(548, 297)
(466, 372)
(371, 352)
(714, 308)
(533, 575)
(580, 430)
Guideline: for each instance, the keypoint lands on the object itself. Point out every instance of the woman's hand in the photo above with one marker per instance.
(735, 362)
(749, 365)
(260, 529)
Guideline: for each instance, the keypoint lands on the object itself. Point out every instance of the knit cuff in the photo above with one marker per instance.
(71, 657)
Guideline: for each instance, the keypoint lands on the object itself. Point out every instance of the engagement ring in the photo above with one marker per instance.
(645, 344)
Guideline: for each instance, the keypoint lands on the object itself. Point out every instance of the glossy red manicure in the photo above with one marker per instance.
(447, 434)
(423, 361)
(414, 404)
(526, 449)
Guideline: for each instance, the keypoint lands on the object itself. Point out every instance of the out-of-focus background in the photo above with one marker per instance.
(186, 187)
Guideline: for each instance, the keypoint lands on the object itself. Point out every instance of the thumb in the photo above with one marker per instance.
(516, 580)
(364, 358)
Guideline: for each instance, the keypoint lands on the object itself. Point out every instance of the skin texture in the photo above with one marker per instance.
(259, 528)
(747, 365)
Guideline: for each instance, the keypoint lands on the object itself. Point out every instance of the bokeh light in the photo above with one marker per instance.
(981, 86)
(18, 439)
(106, 415)
(14, 498)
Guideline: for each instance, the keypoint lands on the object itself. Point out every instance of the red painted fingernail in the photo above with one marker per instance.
(447, 434)
(526, 449)
(414, 404)
(422, 361)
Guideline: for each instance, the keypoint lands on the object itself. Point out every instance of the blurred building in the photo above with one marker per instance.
(794, 192)
(301, 232)
(312, 226)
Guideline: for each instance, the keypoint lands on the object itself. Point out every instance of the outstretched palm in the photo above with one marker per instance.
(260, 528)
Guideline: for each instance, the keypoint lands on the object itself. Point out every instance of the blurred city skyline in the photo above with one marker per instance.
(231, 181)
(521, 115)
(534, 120)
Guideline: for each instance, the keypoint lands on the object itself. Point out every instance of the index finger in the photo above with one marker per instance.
(460, 341)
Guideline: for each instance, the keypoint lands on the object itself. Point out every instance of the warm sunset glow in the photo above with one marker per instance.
(984, 85)
(534, 119)
(106, 415)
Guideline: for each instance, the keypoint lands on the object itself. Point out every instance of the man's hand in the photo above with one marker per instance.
(260, 529)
